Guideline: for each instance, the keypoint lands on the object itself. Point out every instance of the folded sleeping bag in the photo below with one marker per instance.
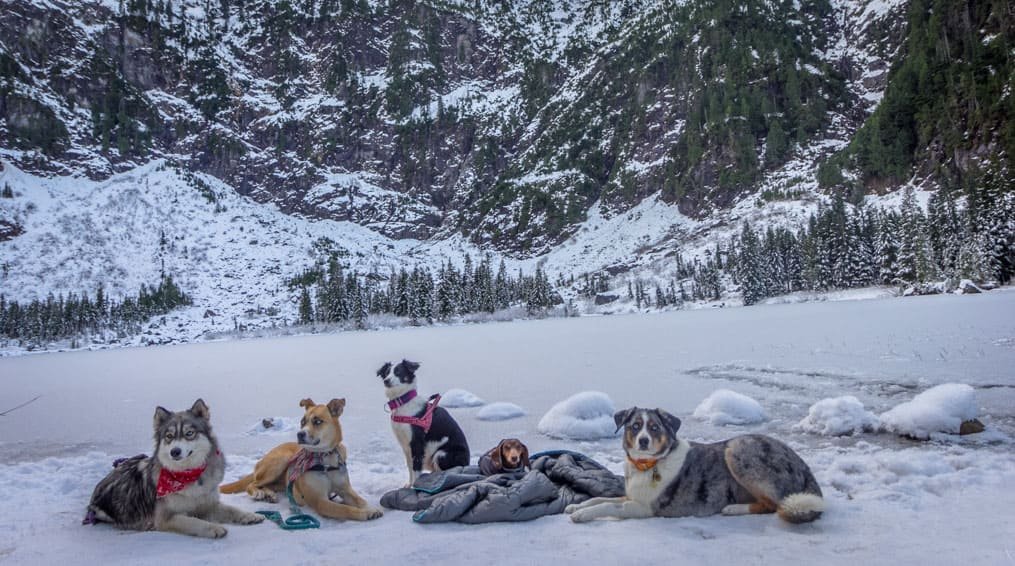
(463, 494)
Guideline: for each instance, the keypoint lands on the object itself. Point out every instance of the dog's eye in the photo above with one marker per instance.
(303, 422)
(189, 434)
(653, 427)
(169, 436)
(636, 427)
(318, 422)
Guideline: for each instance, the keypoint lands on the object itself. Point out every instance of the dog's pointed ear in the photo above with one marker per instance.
(621, 417)
(307, 403)
(671, 422)
(336, 406)
(411, 366)
(384, 371)
(200, 410)
(161, 416)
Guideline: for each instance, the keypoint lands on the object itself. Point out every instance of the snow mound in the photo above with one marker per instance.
(725, 407)
(938, 409)
(837, 416)
(583, 416)
(275, 425)
(500, 412)
(454, 398)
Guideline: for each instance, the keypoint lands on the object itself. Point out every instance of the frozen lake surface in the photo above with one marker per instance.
(890, 500)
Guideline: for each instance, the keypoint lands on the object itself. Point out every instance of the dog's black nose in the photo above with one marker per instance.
(301, 436)
(643, 442)
(175, 452)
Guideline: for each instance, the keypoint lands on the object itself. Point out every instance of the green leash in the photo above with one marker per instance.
(297, 521)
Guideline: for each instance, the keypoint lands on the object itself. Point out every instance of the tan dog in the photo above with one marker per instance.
(315, 465)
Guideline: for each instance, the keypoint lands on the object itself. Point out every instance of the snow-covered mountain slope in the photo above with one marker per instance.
(506, 122)
(234, 256)
(889, 500)
(584, 137)
(231, 254)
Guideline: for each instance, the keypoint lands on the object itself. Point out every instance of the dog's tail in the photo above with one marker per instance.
(802, 507)
(238, 485)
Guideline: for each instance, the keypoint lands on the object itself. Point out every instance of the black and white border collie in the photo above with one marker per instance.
(439, 447)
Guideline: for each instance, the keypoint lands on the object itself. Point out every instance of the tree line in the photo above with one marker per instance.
(967, 236)
(328, 294)
(60, 317)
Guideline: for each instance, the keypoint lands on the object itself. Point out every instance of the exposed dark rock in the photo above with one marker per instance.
(973, 426)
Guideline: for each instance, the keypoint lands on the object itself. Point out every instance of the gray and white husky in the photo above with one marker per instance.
(667, 476)
(174, 490)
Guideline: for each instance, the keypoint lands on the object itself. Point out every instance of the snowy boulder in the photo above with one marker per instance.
(583, 416)
(939, 409)
(275, 425)
(725, 407)
(837, 416)
(500, 412)
(967, 287)
(935, 288)
(454, 398)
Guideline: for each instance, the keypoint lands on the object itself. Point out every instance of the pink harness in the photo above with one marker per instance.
(426, 420)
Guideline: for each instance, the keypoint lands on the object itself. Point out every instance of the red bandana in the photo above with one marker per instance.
(171, 482)
(426, 420)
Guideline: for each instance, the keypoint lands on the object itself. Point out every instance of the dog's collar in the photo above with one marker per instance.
(643, 464)
(399, 401)
(171, 481)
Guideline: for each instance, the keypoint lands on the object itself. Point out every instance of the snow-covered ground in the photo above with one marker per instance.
(890, 500)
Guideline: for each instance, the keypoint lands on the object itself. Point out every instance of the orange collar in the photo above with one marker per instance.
(643, 465)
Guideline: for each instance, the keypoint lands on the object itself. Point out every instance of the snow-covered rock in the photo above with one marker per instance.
(276, 425)
(500, 411)
(583, 416)
(837, 416)
(725, 407)
(967, 287)
(453, 398)
(939, 409)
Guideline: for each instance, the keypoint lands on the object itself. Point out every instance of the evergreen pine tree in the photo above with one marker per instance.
(914, 260)
(749, 267)
(306, 308)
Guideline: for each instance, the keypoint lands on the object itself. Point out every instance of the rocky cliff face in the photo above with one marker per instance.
(505, 121)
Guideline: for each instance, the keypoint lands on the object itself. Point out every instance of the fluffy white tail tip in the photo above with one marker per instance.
(801, 507)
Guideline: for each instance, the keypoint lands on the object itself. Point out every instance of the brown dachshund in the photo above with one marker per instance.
(510, 455)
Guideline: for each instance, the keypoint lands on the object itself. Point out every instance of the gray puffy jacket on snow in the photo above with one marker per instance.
(556, 480)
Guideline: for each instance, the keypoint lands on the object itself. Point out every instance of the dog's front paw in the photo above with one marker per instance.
(250, 519)
(374, 513)
(572, 508)
(580, 516)
(215, 531)
(265, 495)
